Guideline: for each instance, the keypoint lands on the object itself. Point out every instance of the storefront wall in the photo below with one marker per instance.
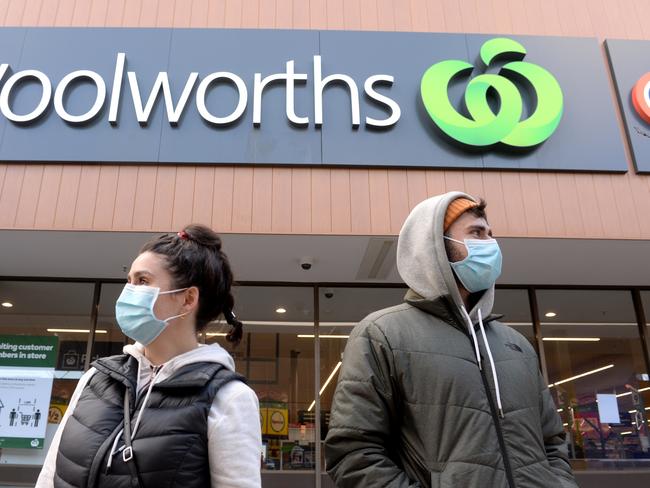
(289, 369)
(322, 200)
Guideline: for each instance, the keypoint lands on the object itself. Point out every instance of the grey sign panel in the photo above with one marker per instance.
(236, 51)
(629, 61)
(11, 43)
(587, 138)
(57, 52)
(414, 140)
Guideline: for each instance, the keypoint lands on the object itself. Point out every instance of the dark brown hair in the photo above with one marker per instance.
(194, 258)
(479, 211)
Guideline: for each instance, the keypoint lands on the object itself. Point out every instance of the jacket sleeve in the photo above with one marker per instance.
(357, 447)
(555, 441)
(46, 476)
(234, 438)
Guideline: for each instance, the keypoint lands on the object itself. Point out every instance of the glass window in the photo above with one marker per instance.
(277, 357)
(109, 339)
(593, 348)
(61, 311)
(340, 310)
(645, 301)
(515, 308)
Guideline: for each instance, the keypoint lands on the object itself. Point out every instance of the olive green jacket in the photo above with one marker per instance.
(412, 408)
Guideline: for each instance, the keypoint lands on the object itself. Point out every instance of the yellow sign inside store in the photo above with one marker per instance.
(275, 421)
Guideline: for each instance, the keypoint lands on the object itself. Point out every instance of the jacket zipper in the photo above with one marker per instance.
(497, 425)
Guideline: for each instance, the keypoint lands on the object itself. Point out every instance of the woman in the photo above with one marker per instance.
(169, 412)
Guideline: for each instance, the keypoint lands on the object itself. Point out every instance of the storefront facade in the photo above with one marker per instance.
(310, 206)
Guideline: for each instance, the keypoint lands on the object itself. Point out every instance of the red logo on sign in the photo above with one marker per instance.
(641, 97)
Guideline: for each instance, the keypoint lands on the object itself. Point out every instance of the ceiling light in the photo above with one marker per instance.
(581, 375)
(629, 392)
(550, 315)
(78, 331)
(325, 336)
(572, 339)
(215, 334)
(327, 382)
(7, 304)
(281, 310)
(634, 411)
(626, 433)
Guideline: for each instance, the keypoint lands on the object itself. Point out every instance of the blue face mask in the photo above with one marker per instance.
(482, 266)
(134, 312)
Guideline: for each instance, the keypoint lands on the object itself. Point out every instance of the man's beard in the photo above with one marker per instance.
(453, 254)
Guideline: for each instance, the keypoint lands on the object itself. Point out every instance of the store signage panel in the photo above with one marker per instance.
(305, 98)
(26, 376)
(630, 65)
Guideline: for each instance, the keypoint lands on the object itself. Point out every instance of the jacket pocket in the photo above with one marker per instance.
(435, 479)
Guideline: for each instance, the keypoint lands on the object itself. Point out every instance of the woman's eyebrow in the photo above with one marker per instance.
(139, 273)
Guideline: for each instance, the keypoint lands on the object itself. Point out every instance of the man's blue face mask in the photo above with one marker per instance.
(482, 266)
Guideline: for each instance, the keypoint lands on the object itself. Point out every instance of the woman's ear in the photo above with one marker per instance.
(191, 298)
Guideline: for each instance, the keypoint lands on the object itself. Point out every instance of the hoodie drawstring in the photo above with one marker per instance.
(492, 366)
(474, 339)
(115, 451)
(489, 353)
(144, 403)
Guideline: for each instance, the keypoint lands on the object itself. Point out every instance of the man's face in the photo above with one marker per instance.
(467, 226)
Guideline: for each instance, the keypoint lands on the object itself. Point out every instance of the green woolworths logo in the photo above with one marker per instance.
(485, 127)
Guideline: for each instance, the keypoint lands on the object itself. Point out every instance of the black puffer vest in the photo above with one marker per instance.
(170, 447)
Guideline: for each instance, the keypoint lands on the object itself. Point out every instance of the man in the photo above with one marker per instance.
(436, 392)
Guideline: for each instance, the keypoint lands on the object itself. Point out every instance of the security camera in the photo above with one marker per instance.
(328, 293)
(306, 263)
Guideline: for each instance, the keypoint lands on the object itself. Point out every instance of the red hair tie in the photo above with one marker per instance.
(183, 235)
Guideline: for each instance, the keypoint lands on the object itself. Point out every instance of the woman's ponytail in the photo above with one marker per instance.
(235, 335)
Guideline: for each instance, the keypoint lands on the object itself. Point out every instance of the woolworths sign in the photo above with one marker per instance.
(143, 105)
(305, 98)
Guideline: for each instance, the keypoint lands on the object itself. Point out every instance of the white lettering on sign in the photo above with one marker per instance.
(319, 86)
(241, 104)
(5, 95)
(99, 100)
(396, 112)
(117, 88)
(175, 109)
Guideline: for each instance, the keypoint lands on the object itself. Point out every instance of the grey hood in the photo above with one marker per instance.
(423, 265)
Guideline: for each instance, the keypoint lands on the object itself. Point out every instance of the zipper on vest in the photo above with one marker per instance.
(497, 425)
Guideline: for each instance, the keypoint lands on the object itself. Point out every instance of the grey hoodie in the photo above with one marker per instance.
(417, 400)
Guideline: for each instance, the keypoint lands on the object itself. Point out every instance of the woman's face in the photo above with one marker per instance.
(150, 269)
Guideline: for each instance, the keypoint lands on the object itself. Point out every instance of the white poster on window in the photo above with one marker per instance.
(24, 404)
(608, 409)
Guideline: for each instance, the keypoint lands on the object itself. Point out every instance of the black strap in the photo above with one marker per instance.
(128, 456)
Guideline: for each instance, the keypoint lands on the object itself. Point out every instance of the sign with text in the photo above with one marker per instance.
(25, 396)
(26, 376)
(630, 66)
(275, 418)
(306, 98)
(29, 351)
